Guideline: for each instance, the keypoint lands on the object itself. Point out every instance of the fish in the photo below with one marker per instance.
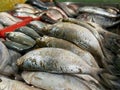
(110, 40)
(7, 19)
(78, 35)
(38, 24)
(4, 58)
(51, 16)
(9, 84)
(47, 41)
(59, 82)
(56, 60)
(105, 22)
(91, 82)
(58, 9)
(27, 10)
(97, 10)
(69, 11)
(14, 56)
(17, 46)
(28, 31)
(20, 38)
(41, 5)
(23, 5)
(24, 14)
(113, 10)
(94, 29)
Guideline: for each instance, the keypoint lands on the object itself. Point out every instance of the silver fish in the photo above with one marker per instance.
(78, 35)
(8, 84)
(20, 38)
(97, 10)
(23, 6)
(105, 22)
(24, 14)
(16, 46)
(55, 82)
(47, 41)
(26, 10)
(56, 60)
(28, 31)
(38, 24)
(8, 19)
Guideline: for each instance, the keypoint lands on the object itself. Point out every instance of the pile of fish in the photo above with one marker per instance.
(60, 52)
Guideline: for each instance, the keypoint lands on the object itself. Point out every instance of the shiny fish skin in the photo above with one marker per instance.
(55, 82)
(27, 10)
(20, 38)
(23, 6)
(28, 31)
(8, 84)
(102, 21)
(7, 19)
(108, 39)
(16, 46)
(77, 34)
(24, 14)
(97, 10)
(38, 24)
(47, 41)
(56, 60)
(51, 16)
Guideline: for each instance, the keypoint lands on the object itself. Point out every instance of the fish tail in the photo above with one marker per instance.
(111, 41)
(98, 74)
(95, 73)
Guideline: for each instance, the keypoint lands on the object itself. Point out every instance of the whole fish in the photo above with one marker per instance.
(59, 82)
(7, 19)
(28, 31)
(105, 22)
(97, 10)
(56, 60)
(8, 84)
(20, 38)
(78, 35)
(47, 41)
